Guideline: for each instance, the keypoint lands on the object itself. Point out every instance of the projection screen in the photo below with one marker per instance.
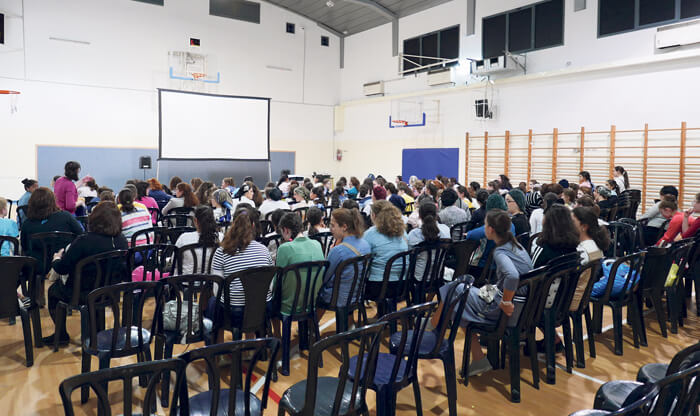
(213, 127)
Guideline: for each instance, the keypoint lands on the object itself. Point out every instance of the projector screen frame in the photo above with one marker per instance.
(160, 125)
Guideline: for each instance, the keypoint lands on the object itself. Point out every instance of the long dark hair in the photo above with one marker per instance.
(614, 185)
(586, 175)
(126, 199)
(505, 182)
(208, 234)
(499, 220)
(314, 216)
(623, 172)
(141, 190)
(241, 233)
(558, 229)
(350, 218)
(190, 199)
(42, 204)
(319, 192)
(71, 170)
(587, 216)
(427, 212)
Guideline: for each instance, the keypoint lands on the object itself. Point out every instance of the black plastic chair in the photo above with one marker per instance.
(301, 212)
(426, 282)
(48, 244)
(170, 235)
(623, 240)
(255, 283)
(266, 226)
(156, 216)
(524, 240)
(188, 296)
(155, 235)
(21, 209)
(641, 407)
(217, 400)
(157, 260)
(326, 239)
(675, 293)
(183, 210)
(83, 220)
(438, 343)
(89, 274)
(657, 263)
(98, 381)
(340, 395)
(177, 220)
(270, 239)
(579, 311)
(127, 336)
(401, 263)
(653, 372)
(531, 240)
(511, 331)
(679, 393)
(200, 255)
(307, 278)
(19, 271)
(92, 204)
(396, 370)
(625, 298)
(12, 242)
(458, 231)
(360, 267)
(462, 252)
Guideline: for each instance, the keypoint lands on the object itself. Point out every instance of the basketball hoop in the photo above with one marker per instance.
(403, 123)
(14, 96)
(197, 76)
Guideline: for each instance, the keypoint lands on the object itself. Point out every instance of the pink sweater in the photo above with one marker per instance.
(66, 194)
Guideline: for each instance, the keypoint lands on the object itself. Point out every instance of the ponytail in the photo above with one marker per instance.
(126, 199)
(624, 175)
(587, 216)
(208, 234)
(350, 218)
(499, 220)
(428, 215)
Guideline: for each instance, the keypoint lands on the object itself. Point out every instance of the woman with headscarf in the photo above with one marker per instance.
(515, 200)
(301, 196)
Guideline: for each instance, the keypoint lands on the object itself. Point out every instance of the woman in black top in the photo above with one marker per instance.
(515, 199)
(104, 234)
(479, 215)
(43, 215)
(559, 236)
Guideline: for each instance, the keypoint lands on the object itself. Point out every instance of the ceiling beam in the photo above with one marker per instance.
(376, 7)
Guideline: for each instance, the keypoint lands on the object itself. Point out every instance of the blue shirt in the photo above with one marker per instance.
(383, 248)
(478, 234)
(8, 228)
(337, 255)
(23, 201)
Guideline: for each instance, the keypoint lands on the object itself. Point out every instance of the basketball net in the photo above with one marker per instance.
(13, 98)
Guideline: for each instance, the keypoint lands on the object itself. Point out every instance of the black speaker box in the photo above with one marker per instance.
(145, 162)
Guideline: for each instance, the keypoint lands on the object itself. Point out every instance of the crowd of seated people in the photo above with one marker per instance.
(374, 216)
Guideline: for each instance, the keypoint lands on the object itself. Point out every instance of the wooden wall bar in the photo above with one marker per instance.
(652, 157)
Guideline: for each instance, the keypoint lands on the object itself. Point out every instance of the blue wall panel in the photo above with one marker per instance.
(428, 163)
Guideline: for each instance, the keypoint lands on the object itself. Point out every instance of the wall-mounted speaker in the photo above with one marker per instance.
(145, 162)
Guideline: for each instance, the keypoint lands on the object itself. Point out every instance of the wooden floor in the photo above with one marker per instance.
(34, 391)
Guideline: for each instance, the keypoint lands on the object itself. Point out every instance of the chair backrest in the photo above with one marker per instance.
(451, 315)
(83, 220)
(90, 205)
(680, 253)
(15, 271)
(412, 317)
(434, 255)
(367, 340)
(623, 239)
(359, 267)
(638, 407)
(98, 381)
(657, 263)
(635, 196)
(307, 278)
(532, 239)
(155, 214)
(326, 239)
(684, 358)
(48, 244)
(99, 270)
(184, 292)
(679, 393)
(590, 271)
(11, 242)
(256, 283)
(126, 302)
(566, 270)
(267, 240)
(183, 210)
(301, 212)
(201, 256)
(266, 225)
(463, 251)
(524, 240)
(261, 350)
(458, 230)
(635, 262)
(172, 234)
(21, 209)
(154, 258)
(178, 220)
(155, 235)
(399, 263)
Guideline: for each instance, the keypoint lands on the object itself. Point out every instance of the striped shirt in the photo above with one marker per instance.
(135, 221)
(255, 255)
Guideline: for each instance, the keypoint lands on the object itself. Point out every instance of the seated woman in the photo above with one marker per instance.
(8, 228)
(147, 201)
(347, 228)
(245, 195)
(515, 200)
(430, 231)
(478, 261)
(559, 236)
(184, 197)
(301, 198)
(511, 262)
(669, 210)
(222, 203)
(104, 234)
(593, 241)
(691, 224)
(240, 251)
(537, 215)
(155, 191)
(315, 219)
(43, 215)
(206, 234)
(133, 219)
(30, 185)
(273, 202)
(297, 249)
(386, 238)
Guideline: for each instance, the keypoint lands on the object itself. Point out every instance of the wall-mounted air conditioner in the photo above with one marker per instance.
(678, 34)
(440, 76)
(494, 65)
(373, 88)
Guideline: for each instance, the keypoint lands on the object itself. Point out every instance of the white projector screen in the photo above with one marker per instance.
(213, 127)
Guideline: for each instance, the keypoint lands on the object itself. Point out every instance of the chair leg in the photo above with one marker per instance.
(598, 318)
(514, 364)
(286, 340)
(341, 320)
(568, 347)
(591, 333)
(416, 394)
(36, 326)
(165, 383)
(466, 356)
(304, 341)
(60, 323)
(448, 361)
(27, 332)
(317, 334)
(660, 311)
(641, 325)
(85, 368)
(617, 328)
(634, 320)
(534, 363)
(578, 339)
(549, 347)
(671, 301)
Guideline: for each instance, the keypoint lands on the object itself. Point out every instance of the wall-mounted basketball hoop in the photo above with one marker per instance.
(403, 123)
(14, 97)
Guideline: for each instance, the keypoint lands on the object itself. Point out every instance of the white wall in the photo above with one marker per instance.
(103, 93)
(587, 82)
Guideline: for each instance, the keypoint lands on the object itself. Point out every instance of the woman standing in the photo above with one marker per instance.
(65, 190)
(620, 176)
(30, 185)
